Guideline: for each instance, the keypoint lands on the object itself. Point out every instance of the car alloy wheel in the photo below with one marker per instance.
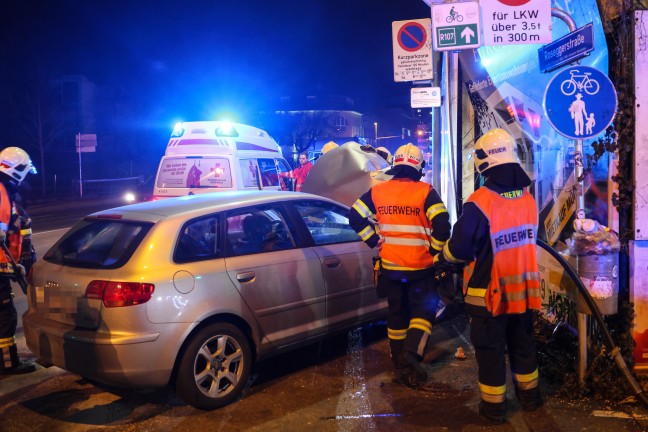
(215, 367)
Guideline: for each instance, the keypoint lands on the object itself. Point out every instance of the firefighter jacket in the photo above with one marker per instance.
(410, 217)
(496, 234)
(17, 228)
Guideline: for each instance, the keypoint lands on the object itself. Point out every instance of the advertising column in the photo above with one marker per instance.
(639, 247)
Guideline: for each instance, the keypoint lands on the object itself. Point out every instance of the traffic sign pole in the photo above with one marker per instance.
(78, 143)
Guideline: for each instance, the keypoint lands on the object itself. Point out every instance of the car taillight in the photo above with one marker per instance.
(118, 294)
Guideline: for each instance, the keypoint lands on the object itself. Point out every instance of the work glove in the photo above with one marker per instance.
(20, 278)
(28, 257)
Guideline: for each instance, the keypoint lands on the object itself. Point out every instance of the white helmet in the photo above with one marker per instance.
(495, 147)
(15, 163)
(386, 154)
(409, 155)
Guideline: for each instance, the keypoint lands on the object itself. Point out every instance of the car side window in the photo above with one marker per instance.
(256, 230)
(197, 240)
(327, 222)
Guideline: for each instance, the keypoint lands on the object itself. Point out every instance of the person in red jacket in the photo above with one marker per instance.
(496, 237)
(300, 173)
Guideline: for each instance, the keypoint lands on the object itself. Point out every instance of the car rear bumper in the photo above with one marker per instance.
(125, 360)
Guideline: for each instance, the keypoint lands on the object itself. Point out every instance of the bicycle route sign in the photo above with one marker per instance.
(456, 26)
(580, 102)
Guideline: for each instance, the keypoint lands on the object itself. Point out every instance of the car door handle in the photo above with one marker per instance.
(245, 277)
(332, 262)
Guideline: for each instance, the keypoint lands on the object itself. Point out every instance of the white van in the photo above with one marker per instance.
(210, 156)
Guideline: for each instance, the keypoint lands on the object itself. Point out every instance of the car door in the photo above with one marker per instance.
(346, 264)
(281, 283)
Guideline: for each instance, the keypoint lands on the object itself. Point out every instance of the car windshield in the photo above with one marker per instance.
(98, 244)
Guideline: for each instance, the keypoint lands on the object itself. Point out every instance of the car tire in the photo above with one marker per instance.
(215, 367)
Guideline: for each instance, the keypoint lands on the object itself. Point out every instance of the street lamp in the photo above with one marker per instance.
(376, 132)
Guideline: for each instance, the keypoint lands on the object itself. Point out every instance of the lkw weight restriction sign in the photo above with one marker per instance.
(512, 22)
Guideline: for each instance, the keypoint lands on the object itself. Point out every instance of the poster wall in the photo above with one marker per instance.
(639, 247)
(506, 87)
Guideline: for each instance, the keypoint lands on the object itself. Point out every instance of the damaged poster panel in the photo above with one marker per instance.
(506, 87)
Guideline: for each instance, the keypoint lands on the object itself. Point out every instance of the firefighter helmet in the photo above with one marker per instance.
(329, 146)
(495, 147)
(409, 155)
(15, 163)
(386, 154)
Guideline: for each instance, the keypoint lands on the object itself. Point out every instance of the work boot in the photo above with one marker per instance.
(492, 413)
(530, 399)
(415, 375)
(22, 368)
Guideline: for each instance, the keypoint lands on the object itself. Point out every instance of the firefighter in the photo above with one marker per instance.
(496, 237)
(329, 146)
(386, 154)
(407, 221)
(15, 164)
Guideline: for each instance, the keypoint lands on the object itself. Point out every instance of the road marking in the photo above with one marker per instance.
(49, 232)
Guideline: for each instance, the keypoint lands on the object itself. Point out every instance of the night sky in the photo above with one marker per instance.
(191, 59)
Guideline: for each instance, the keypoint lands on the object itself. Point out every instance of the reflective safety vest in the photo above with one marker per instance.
(514, 278)
(8, 215)
(403, 224)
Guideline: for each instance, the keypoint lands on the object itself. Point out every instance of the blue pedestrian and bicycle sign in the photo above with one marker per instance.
(580, 102)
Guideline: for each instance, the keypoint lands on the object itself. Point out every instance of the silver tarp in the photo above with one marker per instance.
(346, 172)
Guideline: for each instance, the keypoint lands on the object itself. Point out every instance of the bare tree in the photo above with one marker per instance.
(301, 129)
(38, 118)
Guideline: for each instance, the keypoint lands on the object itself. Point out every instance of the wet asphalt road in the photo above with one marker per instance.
(342, 384)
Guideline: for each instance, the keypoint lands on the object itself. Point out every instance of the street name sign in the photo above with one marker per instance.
(455, 26)
(514, 22)
(86, 143)
(412, 46)
(567, 49)
(580, 102)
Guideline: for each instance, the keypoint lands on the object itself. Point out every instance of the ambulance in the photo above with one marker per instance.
(208, 156)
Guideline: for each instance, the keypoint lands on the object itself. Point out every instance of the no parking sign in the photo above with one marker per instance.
(580, 102)
(412, 46)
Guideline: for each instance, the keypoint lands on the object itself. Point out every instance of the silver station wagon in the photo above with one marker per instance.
(190, 291)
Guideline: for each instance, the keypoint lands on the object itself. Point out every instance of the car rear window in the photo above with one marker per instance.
(98, 244)
(194, 172)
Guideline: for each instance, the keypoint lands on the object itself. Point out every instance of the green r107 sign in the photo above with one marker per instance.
(457, 37)
(456, 26)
